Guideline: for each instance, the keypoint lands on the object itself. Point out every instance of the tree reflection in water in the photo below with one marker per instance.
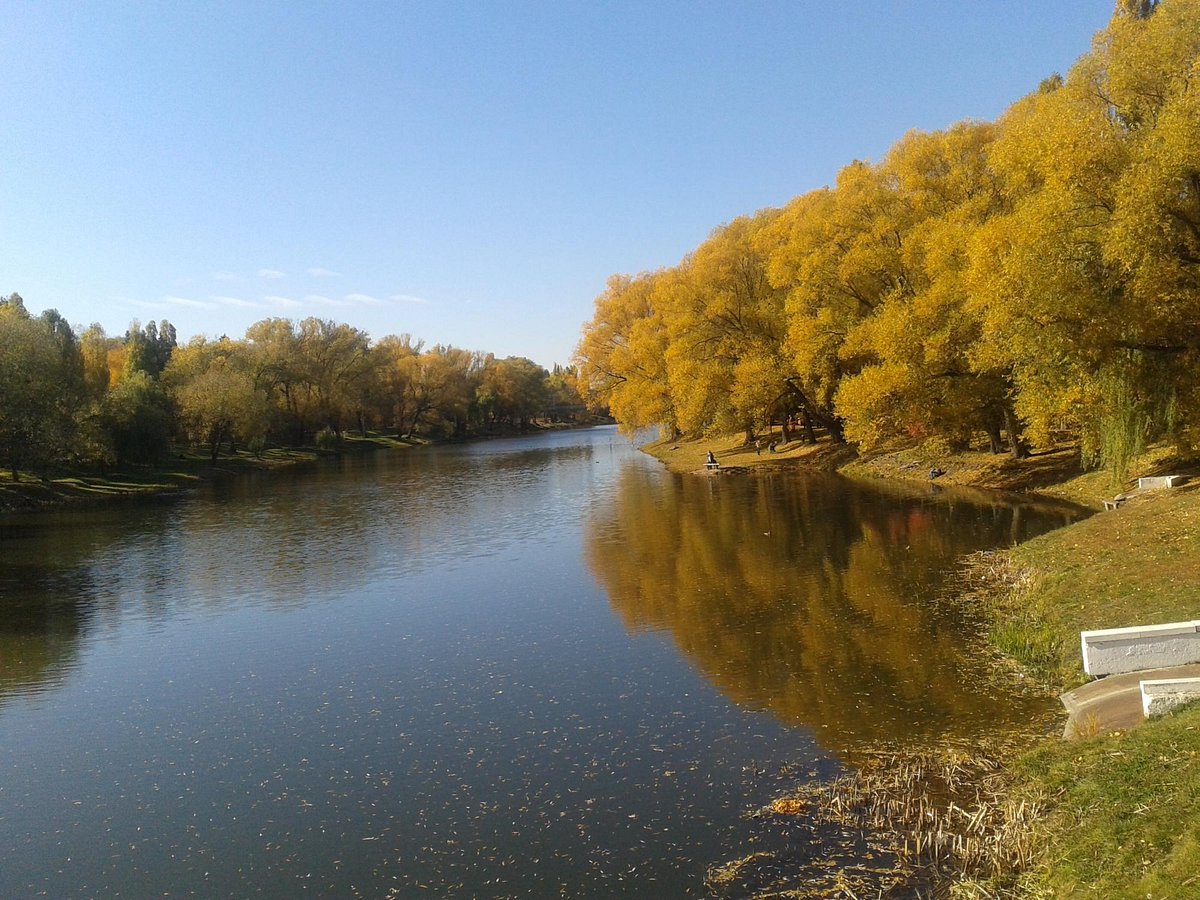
(814, 597)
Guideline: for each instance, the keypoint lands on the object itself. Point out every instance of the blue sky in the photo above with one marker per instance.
(469, 173)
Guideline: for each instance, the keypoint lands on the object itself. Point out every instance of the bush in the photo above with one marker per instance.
(327, 439)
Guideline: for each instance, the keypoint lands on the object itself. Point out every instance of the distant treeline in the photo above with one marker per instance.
(89, 400)
(1020, 281)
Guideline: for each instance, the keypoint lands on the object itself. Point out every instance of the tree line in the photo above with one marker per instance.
(1017, 281)
(89, 400)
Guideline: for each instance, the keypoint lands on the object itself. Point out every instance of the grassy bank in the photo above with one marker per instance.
(1124, 814)
(735, 455)
(183, 470)
(1120, 813)
(186, 468)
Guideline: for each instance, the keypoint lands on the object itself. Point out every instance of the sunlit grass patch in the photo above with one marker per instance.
(1125, 822)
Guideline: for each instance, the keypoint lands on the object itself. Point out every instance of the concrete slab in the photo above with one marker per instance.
(1161, 695)
(1159, 482)
(1114, 651)
(1114, 703)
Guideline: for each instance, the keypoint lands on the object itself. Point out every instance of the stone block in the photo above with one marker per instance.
(1161, 695)
(1158, 482)
(1112, 651)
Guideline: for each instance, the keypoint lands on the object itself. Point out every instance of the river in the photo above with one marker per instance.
(519, 668)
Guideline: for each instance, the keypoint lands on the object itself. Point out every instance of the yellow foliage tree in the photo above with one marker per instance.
(620, 359)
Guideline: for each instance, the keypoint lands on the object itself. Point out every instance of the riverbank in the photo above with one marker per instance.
(1123, 818)
(1056, 472)
(185, 469)
(1118, 813)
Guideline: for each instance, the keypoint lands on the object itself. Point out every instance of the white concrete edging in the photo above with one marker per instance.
(1162, 695)
(1156, 482)
(1112, 651)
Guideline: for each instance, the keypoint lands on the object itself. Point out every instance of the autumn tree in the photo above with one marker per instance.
(838, 254)
(512, 390)
(917, 377)
(727, 365)
(1077, 282)
(621, 357)
(216, 398)
(394, 366)
(32, 384)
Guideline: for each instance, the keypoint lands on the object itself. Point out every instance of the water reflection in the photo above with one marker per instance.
(813, 597)
(275, 540)
(39, 648)
(393, 675)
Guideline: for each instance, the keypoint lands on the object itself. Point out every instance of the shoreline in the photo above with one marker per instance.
(1114, 809)
(1055, 473)
(1114, 814)
(187, 469)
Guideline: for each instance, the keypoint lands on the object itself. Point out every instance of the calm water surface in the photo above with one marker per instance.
(536, 667)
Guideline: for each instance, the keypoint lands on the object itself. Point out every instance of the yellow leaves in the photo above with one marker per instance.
(988, 264)
(1155, 234)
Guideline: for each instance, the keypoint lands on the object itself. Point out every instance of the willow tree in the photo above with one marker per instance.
(917, 378)
(621, 356)
(726, 362)
(1153, 239)
(838, 253)
(1067, 283)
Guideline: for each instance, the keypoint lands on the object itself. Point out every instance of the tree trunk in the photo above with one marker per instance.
(837, 432)
(1017, 447)
(994, 439)
(810, 436)
(786, 430)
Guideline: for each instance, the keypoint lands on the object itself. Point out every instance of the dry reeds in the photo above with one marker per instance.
(924, 820)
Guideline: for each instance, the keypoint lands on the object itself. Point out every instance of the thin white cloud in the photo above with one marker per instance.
(285, 302)
(188, 302)
(364, 299)
(321, 300)
(407, 298)
(318, 272)
(233, 301)
(271, 274)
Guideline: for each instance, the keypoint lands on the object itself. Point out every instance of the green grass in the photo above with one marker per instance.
(1137, 565)
(1125, 808)
(1126, 821)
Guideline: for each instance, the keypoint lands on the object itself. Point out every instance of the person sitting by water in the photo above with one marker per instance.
(711, 460)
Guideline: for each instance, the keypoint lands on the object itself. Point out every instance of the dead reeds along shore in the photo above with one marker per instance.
(901, 823)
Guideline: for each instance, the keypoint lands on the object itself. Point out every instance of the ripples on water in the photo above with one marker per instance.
(514, 668)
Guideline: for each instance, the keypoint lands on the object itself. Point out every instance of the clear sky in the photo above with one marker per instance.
(469, 173)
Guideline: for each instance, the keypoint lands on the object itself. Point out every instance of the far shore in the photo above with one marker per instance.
(187, 468)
